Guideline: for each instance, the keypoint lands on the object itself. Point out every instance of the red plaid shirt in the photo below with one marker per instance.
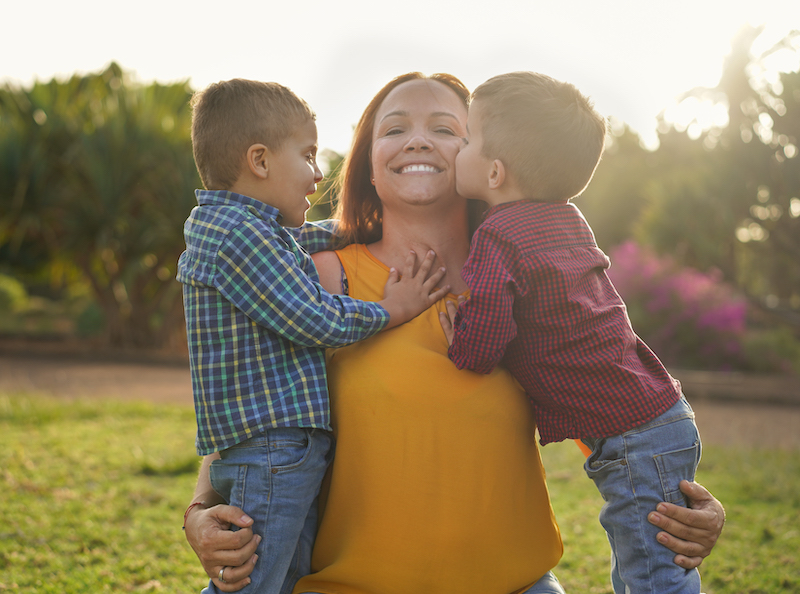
(541, 302)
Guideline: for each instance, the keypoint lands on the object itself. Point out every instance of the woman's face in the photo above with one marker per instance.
(417, 134)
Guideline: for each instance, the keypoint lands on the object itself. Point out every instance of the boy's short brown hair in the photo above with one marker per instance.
(229, 117)
(546, 133)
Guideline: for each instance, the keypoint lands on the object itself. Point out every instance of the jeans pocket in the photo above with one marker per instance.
(229, 480)
(605, 456)
(673, 467)
(289, 452)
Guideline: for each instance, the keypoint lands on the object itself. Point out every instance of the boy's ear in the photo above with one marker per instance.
(497, 175)
(258, 160)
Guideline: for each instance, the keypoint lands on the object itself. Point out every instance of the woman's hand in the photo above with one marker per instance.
(692, 532)
(217, 547)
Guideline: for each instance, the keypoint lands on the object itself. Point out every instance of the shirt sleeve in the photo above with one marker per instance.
(484, 324)
(316, 236)
(259, 274)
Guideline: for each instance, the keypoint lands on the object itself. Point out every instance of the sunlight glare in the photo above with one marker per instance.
(794, 207)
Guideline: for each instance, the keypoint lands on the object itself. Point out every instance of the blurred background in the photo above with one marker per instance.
(697, 199)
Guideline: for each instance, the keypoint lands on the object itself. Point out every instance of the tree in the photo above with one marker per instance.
(730, 198)
(102, 181)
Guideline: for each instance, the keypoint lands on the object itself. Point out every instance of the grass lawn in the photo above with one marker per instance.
(92, 495)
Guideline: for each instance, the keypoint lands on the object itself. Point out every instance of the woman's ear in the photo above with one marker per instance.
(258, 161)
(497, 175)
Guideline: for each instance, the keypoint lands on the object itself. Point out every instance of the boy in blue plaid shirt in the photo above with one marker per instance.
(258, 322)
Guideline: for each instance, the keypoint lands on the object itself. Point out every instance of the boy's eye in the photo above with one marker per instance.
(311, 158)
(466, 140)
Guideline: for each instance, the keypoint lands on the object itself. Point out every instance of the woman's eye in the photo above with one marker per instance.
(393, 131)
(446, 131)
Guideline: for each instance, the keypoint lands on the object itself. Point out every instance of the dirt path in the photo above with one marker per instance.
(720, 422)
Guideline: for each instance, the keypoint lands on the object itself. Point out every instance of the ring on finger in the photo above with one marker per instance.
(222, 575)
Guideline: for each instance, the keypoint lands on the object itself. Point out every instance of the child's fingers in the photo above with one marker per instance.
(452, 309)
(433, 280)
(411, 260)
(438, 294)
(393, 277)
(447, 327)
(426, 265)
(461, 300)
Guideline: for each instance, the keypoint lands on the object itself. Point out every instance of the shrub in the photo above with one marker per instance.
(13, 296)
(689, 318)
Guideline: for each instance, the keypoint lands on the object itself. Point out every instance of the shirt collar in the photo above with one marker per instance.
(226, 198)
(544, 205)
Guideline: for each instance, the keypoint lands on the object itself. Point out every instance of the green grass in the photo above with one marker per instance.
(92, 495)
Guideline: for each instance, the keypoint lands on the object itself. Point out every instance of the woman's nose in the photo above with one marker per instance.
(418, 142)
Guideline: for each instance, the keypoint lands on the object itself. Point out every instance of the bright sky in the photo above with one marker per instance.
(633, 57)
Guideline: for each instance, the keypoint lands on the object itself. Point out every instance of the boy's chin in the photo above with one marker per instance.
(469, 196)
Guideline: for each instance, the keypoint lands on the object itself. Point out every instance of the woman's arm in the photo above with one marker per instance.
(690, 532)
(208, 531)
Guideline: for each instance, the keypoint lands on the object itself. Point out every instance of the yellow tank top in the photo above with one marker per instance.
(437, 484)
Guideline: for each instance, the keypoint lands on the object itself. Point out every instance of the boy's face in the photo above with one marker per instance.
(472, 168)
(293, 175)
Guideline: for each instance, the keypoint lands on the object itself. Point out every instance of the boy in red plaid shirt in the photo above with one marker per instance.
(541, 302)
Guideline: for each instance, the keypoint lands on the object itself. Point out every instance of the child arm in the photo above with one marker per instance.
(484, 323)
(405, 296)
(260, 274)
(316, 236)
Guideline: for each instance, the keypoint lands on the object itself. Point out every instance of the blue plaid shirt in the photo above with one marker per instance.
(258, 322)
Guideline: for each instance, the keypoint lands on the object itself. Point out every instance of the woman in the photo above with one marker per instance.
(437, 484)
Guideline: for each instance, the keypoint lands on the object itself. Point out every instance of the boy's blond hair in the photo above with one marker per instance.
(546, 133)
(229, 117)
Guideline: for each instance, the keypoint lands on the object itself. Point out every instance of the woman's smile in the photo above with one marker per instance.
(418, 168)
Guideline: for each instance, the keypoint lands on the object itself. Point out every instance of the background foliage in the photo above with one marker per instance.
(96, 178)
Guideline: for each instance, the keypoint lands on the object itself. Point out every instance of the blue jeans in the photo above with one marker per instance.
(634, 472)
(547, 584)
(275, 479)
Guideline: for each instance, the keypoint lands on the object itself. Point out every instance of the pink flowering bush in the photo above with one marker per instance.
(689, 318)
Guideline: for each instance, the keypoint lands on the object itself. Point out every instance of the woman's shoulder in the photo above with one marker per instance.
(329, 269)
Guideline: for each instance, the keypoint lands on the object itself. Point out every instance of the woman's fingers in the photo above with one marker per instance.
(235, 578)
(690, 532)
